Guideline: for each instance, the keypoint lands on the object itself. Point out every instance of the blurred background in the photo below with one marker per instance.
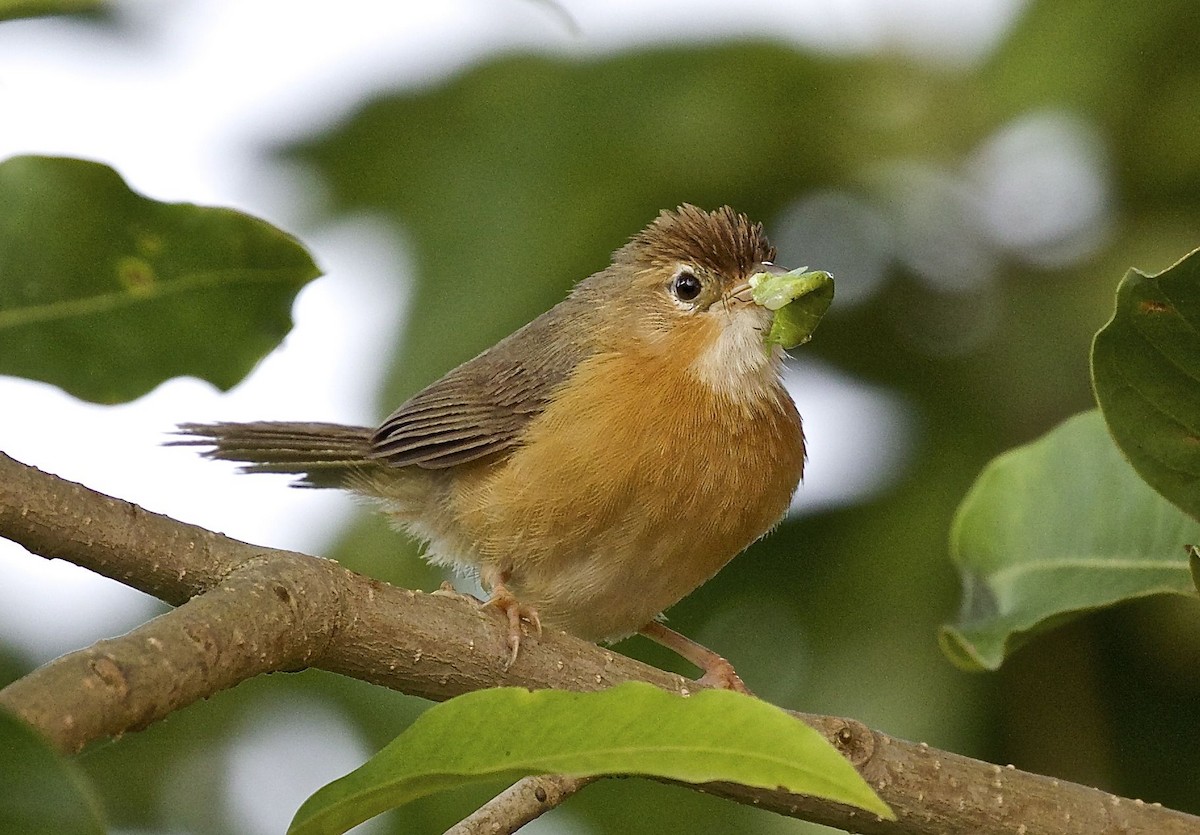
(977, 174)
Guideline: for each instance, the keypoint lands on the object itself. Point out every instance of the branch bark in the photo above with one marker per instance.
(522, 802)
(244, 610)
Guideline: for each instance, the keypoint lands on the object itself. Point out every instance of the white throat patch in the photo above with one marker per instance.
(739, 365)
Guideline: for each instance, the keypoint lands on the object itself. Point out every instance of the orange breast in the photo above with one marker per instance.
(637, 484)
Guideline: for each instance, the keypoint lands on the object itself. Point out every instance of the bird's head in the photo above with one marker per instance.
(687, 286)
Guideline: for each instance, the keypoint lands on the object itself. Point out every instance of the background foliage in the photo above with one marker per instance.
(518, 176)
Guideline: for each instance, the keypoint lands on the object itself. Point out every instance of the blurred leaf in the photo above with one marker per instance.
(632, 729)
(1146, 372)
(1053, 529)
(107, 293)
(11, 9)
(518, 178)
(1194, 565)
(43, 793)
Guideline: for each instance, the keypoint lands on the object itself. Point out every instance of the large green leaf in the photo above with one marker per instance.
(1146, 372)
(10, 9)
(1056, 528)
(40, 792)
(107, 293)
(508, 733)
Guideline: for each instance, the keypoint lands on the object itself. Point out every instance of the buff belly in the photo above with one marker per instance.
(603, 520)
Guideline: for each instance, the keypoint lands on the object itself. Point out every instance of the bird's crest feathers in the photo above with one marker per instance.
(723, 241)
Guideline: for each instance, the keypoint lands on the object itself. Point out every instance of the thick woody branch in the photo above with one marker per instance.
(247, 610)
(209, 643)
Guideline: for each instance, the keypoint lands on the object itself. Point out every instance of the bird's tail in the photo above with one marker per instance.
(321, 454)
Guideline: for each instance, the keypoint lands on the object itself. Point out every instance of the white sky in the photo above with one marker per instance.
(181, 111)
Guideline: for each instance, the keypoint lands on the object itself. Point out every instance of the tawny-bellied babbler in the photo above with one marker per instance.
(606, 459)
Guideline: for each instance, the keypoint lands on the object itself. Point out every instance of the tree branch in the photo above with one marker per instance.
(244, 610)
(213, 641)
(520, 803)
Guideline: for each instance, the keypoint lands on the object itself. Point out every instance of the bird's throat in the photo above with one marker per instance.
(731, 357)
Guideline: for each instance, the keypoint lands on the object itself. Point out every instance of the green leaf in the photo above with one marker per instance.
(1055, 528)
(107, 293)
(799, 299)
(43, 793)
(11, 9)
(633, 729)
(1146, 372)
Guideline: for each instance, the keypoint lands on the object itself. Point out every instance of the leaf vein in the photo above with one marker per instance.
(89, 305)
(1123, 564)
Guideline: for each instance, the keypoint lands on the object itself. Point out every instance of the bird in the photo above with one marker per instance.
(600, 463)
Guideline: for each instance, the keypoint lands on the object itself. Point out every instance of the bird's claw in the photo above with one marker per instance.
(514, 611)
(722, 674)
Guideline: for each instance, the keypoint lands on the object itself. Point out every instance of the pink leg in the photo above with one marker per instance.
(717, 671)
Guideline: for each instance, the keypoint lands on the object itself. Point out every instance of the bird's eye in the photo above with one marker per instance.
(685, 286)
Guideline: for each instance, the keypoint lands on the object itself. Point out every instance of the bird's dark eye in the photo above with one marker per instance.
(685, 286)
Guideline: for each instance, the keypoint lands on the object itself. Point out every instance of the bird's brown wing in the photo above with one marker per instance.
(483, 406)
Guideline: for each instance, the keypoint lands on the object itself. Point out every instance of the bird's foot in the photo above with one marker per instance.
(514, 611)
(720, 673)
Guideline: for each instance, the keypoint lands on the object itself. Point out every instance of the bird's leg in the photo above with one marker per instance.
(717, 671)
(514, 611)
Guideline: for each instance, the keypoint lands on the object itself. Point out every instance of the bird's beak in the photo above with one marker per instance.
(744, 292)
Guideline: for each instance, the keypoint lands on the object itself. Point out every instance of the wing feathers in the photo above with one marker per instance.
(483, 406)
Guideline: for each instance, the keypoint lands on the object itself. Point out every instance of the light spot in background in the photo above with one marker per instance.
(860, 437)
(945, 32)
(841, 234)
(1043, 188)
(933, 32)
(51, 607)
(1037, 190)
(284, 752)
(936, 215)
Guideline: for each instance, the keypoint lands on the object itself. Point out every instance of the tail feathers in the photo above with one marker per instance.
(322, 454)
